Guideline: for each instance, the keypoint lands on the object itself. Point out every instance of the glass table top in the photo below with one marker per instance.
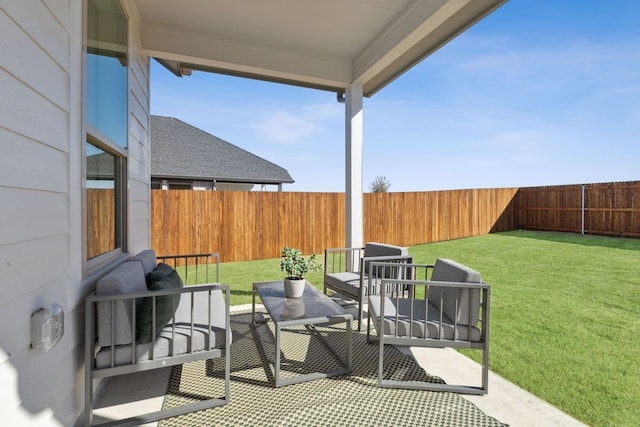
(312, 304)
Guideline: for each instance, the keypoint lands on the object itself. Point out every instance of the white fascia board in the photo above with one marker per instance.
(234, 56)
(416, 21)
(416, 33)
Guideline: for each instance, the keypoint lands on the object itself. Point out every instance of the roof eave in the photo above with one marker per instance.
(417, 31)
(223, 179)
(376, 73)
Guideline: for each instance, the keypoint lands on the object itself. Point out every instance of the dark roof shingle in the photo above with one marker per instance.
(179, 150)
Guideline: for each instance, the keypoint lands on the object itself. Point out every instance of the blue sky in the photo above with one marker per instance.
(538, 93)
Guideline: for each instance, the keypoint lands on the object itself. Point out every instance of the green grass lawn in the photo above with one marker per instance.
(565, 317)
(565, 314)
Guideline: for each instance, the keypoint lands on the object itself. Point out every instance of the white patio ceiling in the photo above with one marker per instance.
(326, 44)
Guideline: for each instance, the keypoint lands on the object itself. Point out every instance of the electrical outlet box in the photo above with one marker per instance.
(47, 327)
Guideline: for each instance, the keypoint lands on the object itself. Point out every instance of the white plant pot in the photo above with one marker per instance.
(293, 288)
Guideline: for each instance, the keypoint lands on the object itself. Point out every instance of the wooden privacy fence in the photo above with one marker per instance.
(244, 226)
(256, 225)
(608, 208)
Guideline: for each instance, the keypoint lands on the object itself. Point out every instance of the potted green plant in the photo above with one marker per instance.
(295, 265)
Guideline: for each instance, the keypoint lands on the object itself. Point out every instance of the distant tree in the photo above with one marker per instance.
(380, 185)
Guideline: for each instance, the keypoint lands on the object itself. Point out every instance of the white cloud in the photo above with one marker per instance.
(573, 66)
(285, 127)
(324, 112)
(299, 125)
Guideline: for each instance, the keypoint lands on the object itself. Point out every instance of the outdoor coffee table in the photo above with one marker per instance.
(313, 308)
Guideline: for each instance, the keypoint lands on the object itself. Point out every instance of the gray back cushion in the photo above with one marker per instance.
(468, 300)
(382, 249)
(372, 249)
(127, 278)
(148, 260)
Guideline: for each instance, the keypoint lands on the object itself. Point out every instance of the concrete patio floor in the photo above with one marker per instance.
(144, 391)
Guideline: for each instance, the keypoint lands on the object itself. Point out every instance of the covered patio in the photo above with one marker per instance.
(353, 48)
(350, 47)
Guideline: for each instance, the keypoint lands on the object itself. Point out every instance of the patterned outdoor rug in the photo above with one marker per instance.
(339, 401)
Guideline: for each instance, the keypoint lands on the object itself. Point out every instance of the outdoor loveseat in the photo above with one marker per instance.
(348, 271)
(145, 319)
(451, 309)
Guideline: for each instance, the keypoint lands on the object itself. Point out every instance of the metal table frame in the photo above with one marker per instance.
(317, 309)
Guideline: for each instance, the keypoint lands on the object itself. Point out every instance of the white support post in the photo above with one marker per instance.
(353, 144)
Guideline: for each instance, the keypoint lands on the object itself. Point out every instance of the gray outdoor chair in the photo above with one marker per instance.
(451, 309)
(348, 272)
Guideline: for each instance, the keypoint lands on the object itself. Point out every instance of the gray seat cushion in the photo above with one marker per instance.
(127, 278)
(461, 305)
(404, 317)
(181, 341)
(345, 281)
(349, 283)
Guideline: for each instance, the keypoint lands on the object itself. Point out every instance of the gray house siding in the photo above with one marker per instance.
(41, 213)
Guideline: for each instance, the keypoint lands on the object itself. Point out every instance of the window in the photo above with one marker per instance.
(106, 113)
(106, 83)
(103, 186)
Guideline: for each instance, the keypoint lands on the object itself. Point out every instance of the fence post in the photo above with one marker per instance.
(584, 190)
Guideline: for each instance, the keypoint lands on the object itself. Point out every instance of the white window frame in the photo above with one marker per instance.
(121, 176)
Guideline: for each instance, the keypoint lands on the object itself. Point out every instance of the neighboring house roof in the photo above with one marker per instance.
(182, 151)
(100, 167)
